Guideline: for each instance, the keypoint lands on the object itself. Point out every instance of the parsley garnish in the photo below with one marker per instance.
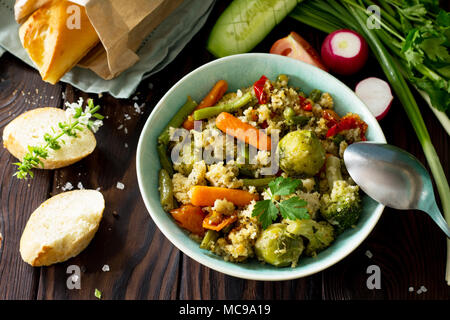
(77, 121)
(293, 208)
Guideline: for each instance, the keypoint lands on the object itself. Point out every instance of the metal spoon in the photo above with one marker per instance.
(394, 178)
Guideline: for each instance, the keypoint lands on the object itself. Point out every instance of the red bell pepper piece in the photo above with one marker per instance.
(258, 88)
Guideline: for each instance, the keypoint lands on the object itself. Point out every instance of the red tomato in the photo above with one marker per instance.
(296, 47)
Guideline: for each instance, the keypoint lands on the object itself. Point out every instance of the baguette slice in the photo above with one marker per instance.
(52, 41)
(29, 128)
(61, 227)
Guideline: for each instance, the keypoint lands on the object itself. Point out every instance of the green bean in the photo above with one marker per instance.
(166, 190)
(229, 106)
(246, 170)
(259, 182)
(165, 161)
(209, 238)
(177, 120)
(314, 95)
(291, 118)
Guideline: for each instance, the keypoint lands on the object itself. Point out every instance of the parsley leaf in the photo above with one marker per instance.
(266, 211)
(293, 209)
(284, 186)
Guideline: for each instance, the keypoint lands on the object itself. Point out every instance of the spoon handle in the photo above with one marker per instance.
(434, 212)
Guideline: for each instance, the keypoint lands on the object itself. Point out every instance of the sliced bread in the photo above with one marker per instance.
(29, 129)
(61, 227)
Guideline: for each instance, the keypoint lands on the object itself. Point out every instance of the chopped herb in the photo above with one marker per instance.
(98, 293)
(78, 120)
(293, 208)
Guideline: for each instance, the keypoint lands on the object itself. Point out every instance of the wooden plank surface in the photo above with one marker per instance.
(407, 246)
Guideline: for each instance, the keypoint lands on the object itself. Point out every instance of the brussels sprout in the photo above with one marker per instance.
(301, 153)
(278, 247)
(319, 234)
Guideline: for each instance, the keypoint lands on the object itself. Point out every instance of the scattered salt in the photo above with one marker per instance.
(120, 185)
(135, 98)
(411, 289)
(126, 116)
(239, 93)
(125, 130)
(126, 145)
(80, 186)
(105, 268)
(67, 186)
(423, 289)
(120, 127)
(369, 254)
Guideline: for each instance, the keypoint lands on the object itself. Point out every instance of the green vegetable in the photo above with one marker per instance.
(301, 152)
(229, 106)
(166, 190)
(80, 120)
(293, 208)
(292, 119)
(342, 207)
(314, 95)
(245, 23)
(209, 239)
(319, 234)
(177, 120)
(164, 159)
(259, 182)
(278, 247)
(98, 293)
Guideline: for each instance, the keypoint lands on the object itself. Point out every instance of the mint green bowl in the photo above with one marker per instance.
(242, 71)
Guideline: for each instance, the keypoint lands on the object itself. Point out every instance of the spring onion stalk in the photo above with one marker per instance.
(347, 15)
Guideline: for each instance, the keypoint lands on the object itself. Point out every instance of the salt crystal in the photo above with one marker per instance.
(135, 98)
(67, 186)
(125, 130)
(411, 289)
(80, 186)
(120, 127)
(120, 185)
(105, 268)
(126, 145)
(423, 289)
(369, 254)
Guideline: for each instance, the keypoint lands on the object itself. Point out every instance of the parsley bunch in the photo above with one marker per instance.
(293, 208)
(77, 121)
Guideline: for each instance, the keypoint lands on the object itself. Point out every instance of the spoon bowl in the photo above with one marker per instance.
(393, 177)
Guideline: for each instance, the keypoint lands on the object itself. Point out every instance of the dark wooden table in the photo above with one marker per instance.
(408, 247)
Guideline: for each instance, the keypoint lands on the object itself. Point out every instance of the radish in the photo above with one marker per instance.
(376, 95)
(344, 51)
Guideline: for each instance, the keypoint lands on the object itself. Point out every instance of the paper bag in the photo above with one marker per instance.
(121, 26)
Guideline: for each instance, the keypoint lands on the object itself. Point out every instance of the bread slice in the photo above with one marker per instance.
(53, 40)
(29, 129)
(61, 227)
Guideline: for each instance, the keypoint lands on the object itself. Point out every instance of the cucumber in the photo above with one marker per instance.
(245, 23)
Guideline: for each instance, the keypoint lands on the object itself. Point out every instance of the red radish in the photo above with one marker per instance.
(296, 47)
(344, 51)
(376, 95)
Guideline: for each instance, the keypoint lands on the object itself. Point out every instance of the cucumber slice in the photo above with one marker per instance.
(245, 23)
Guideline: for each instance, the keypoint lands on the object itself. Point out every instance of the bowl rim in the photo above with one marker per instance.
(197, 256)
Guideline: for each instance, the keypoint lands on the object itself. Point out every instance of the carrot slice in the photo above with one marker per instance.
(209, 100)
(190, 218)
(206, 196)
(243, 131)
(216, 221)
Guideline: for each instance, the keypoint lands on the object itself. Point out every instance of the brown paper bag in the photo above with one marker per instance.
(121, 26)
